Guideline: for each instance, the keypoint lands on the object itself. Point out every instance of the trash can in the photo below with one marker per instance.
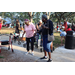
(69, 41)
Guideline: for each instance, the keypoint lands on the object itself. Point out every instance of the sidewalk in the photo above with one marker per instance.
(59, 55)
(63, 55)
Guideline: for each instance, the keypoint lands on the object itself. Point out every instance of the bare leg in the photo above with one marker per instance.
(49, 53)
(64, 38)
(61, 40)
(45, 52)
(51, 46)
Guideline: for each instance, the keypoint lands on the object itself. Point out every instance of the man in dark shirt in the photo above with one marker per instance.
(47, 28)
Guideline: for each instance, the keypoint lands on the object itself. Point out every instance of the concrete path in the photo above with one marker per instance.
(63, 55)
(59, 55)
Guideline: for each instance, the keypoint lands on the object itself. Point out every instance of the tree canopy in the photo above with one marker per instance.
(36, 16)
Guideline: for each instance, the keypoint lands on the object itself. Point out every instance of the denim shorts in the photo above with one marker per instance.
(46, 43)
(63, 34)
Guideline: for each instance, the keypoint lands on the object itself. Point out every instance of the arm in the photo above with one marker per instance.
(37, 27)
(39, 31)
(45, 27)
(19, 26)
(50, 26)
(23, 33)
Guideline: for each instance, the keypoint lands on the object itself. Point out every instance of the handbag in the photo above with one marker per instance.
(50, 37)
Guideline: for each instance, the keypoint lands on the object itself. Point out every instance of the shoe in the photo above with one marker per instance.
(27, 53)
(44, 57)
(50, 60)
(32, 53)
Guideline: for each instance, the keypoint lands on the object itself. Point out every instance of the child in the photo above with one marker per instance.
(62, 34)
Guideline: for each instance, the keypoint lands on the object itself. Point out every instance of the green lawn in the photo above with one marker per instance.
(57, 41)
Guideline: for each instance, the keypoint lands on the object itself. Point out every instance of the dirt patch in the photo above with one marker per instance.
(17, 56)
(7, 30)
(5, 54)
(11, 57)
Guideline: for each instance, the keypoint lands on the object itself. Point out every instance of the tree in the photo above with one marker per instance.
(48, 14)
(59, 16)
(37, 17)
(31, 14)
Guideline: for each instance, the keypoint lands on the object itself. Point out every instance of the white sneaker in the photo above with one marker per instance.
(27, 53)
(32, 53)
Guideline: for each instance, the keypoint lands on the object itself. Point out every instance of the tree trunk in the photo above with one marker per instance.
(68, 19)
(48, 14)
(59, 21)
(31, 19)
(2, 17)
(31, 16)
(3, 14)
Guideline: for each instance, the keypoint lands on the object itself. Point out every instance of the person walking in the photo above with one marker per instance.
(29, 30)
(47, 45)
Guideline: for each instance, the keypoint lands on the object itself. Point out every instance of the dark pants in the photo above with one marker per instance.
(32, 43)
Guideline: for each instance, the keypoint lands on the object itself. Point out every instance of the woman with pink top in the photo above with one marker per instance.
(29, 30)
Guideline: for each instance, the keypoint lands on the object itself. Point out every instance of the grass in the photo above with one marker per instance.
(57, 41)
(7, 30)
